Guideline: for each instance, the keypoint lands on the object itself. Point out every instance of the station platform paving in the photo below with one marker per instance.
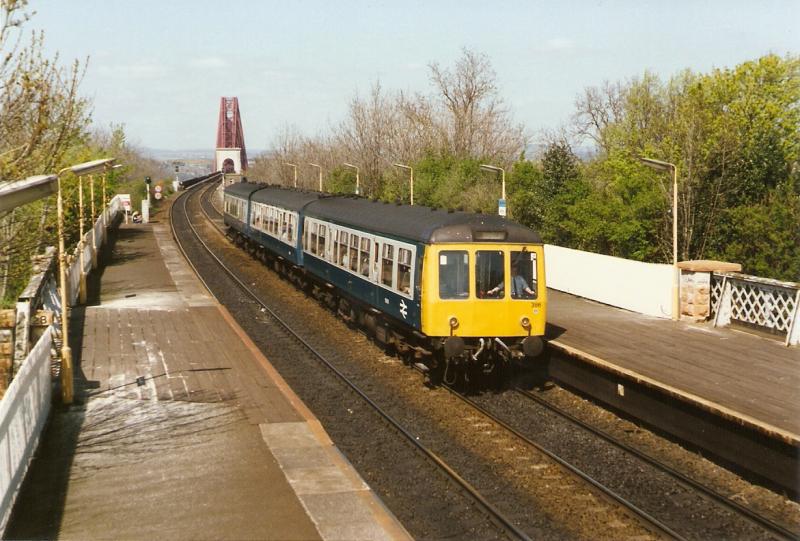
(181, 428)
(740, 376)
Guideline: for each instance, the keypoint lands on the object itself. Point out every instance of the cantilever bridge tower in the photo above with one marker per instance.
(231, 156)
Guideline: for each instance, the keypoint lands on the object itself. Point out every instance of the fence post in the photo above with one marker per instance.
(722, 316)
(793, 336)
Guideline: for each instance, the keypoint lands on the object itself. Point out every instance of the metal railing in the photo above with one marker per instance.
(767, 304)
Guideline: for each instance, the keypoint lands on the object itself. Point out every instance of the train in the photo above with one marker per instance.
(460, 294)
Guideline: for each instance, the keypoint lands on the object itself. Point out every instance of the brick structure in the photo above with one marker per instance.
(696, 286)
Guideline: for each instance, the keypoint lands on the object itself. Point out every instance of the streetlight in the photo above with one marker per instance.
(501, 207)
(411, 170)
(18, 193)
(666, 166)
(358, 189)
(66, 351)
(319, 167)
(293, 166)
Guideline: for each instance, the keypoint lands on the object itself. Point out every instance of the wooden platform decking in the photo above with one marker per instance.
(738, 374)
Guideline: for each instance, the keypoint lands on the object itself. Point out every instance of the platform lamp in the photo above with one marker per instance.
(319, 168)
(411, 171)
(66, 352)
(293, 166)
(358, 181)
(658, 165)
(106, 169)
(501, 206)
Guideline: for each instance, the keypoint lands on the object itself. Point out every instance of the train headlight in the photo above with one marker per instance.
(525, 322)
(453, 322)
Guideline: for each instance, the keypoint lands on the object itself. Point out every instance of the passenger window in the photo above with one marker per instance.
(364, 265)
(387, 265)
(404, 270)
(524, 284)
(489, 273)
(312, 241)
(322, 238)
(291, 229)
(354, 253)
(453, 274)
(343, 248)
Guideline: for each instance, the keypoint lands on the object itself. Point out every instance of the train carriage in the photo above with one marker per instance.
(452, 289)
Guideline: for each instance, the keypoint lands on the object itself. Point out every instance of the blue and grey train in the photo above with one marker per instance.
(430, 283)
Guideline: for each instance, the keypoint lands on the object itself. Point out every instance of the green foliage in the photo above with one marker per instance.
(341, 180)
(765, 236)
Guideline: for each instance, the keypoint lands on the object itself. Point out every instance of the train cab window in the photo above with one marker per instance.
(354, 253)
(453, 274)
(489, 274)
(343, 249)
(323, 233)
(404, 270)
(365, 249)
(387, 265)
(524, 276)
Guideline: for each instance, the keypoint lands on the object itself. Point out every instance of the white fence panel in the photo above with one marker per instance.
(640, 287)
(23, 413)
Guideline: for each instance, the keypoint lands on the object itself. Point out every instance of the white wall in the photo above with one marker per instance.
(640, 287)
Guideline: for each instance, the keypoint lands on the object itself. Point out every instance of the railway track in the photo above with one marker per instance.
(763, 526)
(654, 524)
(712, 495)
(494, 514)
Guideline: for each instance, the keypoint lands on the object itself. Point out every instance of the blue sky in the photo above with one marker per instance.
(159, 66)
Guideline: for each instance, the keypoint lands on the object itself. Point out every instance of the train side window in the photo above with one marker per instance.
(404, 270)
(453, 274)
(343, 248)
(290, 236)
(387, 265)
(312, 239)
(489, 274)
(323, 232)
(524, 275)
(354, 253)
(365, 249)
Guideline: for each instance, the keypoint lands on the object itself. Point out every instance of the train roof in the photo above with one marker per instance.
(285, 197)
(243, 189)
(419, 223)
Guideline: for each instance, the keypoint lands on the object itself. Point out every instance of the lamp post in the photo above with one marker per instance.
(411, 170)
(319, 168)
(501, 207)
(293, 166)
(358, 182)
(66, 351)
(658, 165)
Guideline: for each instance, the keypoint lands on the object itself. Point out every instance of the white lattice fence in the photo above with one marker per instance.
(760, 302)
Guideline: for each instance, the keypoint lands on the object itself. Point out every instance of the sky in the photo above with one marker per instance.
(159, 67)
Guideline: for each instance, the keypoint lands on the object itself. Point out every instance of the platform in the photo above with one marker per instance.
(731, 373)
(181, 428)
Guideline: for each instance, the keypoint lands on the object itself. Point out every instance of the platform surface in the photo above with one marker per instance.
(749, 376)
(181, 429)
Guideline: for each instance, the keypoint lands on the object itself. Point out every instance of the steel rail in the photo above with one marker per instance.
(638, 512)
(494, 513)
(688, 482)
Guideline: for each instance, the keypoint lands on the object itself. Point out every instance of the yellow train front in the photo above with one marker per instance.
(484, 302)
